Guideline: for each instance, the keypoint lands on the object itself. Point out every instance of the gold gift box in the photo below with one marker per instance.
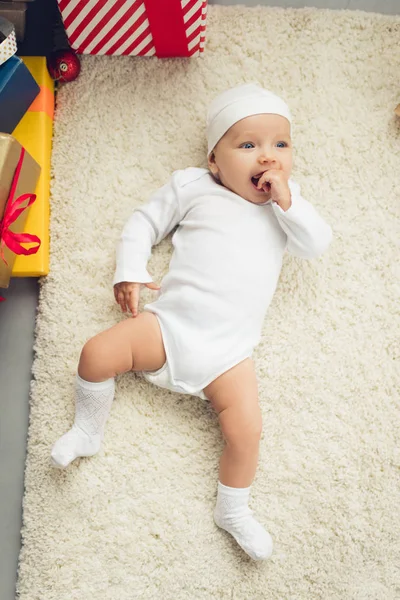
(34, 132)
(10, 152)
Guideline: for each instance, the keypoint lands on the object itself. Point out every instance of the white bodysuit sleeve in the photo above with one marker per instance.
(308, 235)
(146, 227)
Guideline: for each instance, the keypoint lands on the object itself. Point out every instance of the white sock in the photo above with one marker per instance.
(92, 407)
(233, 514)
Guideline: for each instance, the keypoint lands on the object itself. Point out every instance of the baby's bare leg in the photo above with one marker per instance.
(134, 344)
(234, 396)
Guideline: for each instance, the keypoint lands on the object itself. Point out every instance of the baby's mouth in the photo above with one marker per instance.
(255, 180)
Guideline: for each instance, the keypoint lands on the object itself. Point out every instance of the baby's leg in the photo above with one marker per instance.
(234, 396)
(133, 344)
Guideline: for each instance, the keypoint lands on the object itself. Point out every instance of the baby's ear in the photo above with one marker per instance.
(212, 165)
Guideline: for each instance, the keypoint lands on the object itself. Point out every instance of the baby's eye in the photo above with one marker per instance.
(247, 145)
(284, 144)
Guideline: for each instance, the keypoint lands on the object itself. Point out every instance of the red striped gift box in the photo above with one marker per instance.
(164, 28)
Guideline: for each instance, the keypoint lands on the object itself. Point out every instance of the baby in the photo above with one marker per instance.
(235, 220)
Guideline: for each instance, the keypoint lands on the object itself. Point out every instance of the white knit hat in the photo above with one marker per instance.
(237, 103)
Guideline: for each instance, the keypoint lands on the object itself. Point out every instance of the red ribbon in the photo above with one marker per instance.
(8, 238)
(167, 27)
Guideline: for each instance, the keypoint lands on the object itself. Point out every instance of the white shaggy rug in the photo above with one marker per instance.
(136, 520)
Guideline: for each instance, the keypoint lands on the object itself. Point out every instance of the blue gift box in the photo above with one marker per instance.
(18, 89)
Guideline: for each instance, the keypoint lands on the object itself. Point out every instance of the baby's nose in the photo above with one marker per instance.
(266, 157)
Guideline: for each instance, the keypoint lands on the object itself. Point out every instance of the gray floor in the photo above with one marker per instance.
(17, 322)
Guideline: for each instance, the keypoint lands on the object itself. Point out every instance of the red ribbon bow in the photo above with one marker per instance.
(8, 238)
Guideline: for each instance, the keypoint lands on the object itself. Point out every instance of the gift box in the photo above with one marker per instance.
(140, 28)
(8, 41)
(35, 132)
(19, 174)
(16, 13)
(18, 89)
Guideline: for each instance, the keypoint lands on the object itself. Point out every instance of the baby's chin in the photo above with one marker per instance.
(258, 197)
(249, 193)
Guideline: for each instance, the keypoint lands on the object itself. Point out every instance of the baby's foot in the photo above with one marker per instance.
(73, 444)
(249, 533)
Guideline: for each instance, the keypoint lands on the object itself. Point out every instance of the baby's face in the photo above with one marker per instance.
(248, 149)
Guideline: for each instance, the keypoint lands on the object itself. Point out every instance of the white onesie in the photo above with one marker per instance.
(223, 272)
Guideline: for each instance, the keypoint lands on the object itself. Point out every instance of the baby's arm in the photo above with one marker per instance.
(308, 235)
(146, 227)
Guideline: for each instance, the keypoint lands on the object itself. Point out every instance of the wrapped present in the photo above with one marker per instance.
(18, 89)
(135, 27)
(16, 13)
(19, 174)
(8, 41)
(35, 132)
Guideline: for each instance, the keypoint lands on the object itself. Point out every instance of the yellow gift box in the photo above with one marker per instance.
(34, 132)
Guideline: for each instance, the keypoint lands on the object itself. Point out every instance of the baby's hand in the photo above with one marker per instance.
(127, 294)
(275, 182)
